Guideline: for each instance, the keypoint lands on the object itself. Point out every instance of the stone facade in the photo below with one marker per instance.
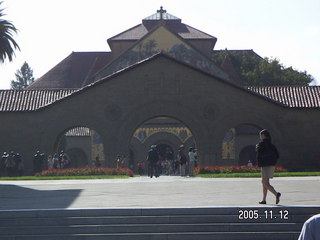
(294, 131)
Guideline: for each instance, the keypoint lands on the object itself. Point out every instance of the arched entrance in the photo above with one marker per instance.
(165, 132)
(81, 144)
(238, 145)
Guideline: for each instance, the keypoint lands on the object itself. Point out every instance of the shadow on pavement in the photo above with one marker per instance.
(16, 197)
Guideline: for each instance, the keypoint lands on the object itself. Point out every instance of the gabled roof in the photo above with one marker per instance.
(73, 70)
(171, 43)
(305, 97)
(172, 22)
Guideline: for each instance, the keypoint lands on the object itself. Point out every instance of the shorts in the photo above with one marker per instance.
(267, 172)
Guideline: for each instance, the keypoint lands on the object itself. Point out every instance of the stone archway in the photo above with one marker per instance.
(160, 131)
(81, 143)
(151, 110)
(235, 140)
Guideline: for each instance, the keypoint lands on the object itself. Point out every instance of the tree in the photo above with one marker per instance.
(7, 43)
(257, 71)
(24, 77)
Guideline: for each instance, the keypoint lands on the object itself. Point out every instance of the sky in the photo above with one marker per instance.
(50, 30)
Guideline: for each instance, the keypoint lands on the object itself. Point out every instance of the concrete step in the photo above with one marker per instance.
(150, 211)
(67, 221)
(158, 223)
(164, 236)
(152, 228)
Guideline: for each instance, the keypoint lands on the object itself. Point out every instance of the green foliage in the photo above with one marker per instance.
(24, 77)
(256, 71)
(7, 43)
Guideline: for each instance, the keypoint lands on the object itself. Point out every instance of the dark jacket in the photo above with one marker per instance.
(153, 156)
(267, 153)
(182, 157)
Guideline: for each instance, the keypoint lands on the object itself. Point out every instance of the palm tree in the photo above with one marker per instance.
(7, 43)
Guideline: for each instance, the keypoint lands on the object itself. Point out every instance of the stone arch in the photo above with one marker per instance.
(245, 118)
(237, 138)
(172, 139)
(83, 142)
(230, 120)
(156, 109)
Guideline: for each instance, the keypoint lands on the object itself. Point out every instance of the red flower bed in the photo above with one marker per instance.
(86, 171)
(232, 169)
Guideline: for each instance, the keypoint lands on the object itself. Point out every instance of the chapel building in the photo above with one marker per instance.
(157, 86)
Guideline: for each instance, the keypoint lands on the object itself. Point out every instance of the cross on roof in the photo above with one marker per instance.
(161, 11)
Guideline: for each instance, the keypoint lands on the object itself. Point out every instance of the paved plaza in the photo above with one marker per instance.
(165, 191)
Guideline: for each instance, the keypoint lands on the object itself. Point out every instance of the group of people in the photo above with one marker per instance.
(59, 161)
(11, 165)
(183, 164)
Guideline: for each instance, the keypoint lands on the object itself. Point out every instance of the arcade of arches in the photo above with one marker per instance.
(83, 144)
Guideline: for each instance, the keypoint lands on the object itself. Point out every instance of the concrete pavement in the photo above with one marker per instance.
(165, 191)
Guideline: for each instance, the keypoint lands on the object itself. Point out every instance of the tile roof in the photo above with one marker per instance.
(30, 100)
(72, 71)
(291, 96)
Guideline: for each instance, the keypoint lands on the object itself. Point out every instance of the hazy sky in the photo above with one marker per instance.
(49, 30)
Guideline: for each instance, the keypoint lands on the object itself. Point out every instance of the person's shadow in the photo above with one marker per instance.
(16, 197)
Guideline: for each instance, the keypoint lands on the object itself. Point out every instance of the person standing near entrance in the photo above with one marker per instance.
(11, 164)
(153, 158)
(192, 160)
(182, 160)
(267, 156)
(3, 164)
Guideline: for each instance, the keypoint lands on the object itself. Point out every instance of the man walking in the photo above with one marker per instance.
(152, 159)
